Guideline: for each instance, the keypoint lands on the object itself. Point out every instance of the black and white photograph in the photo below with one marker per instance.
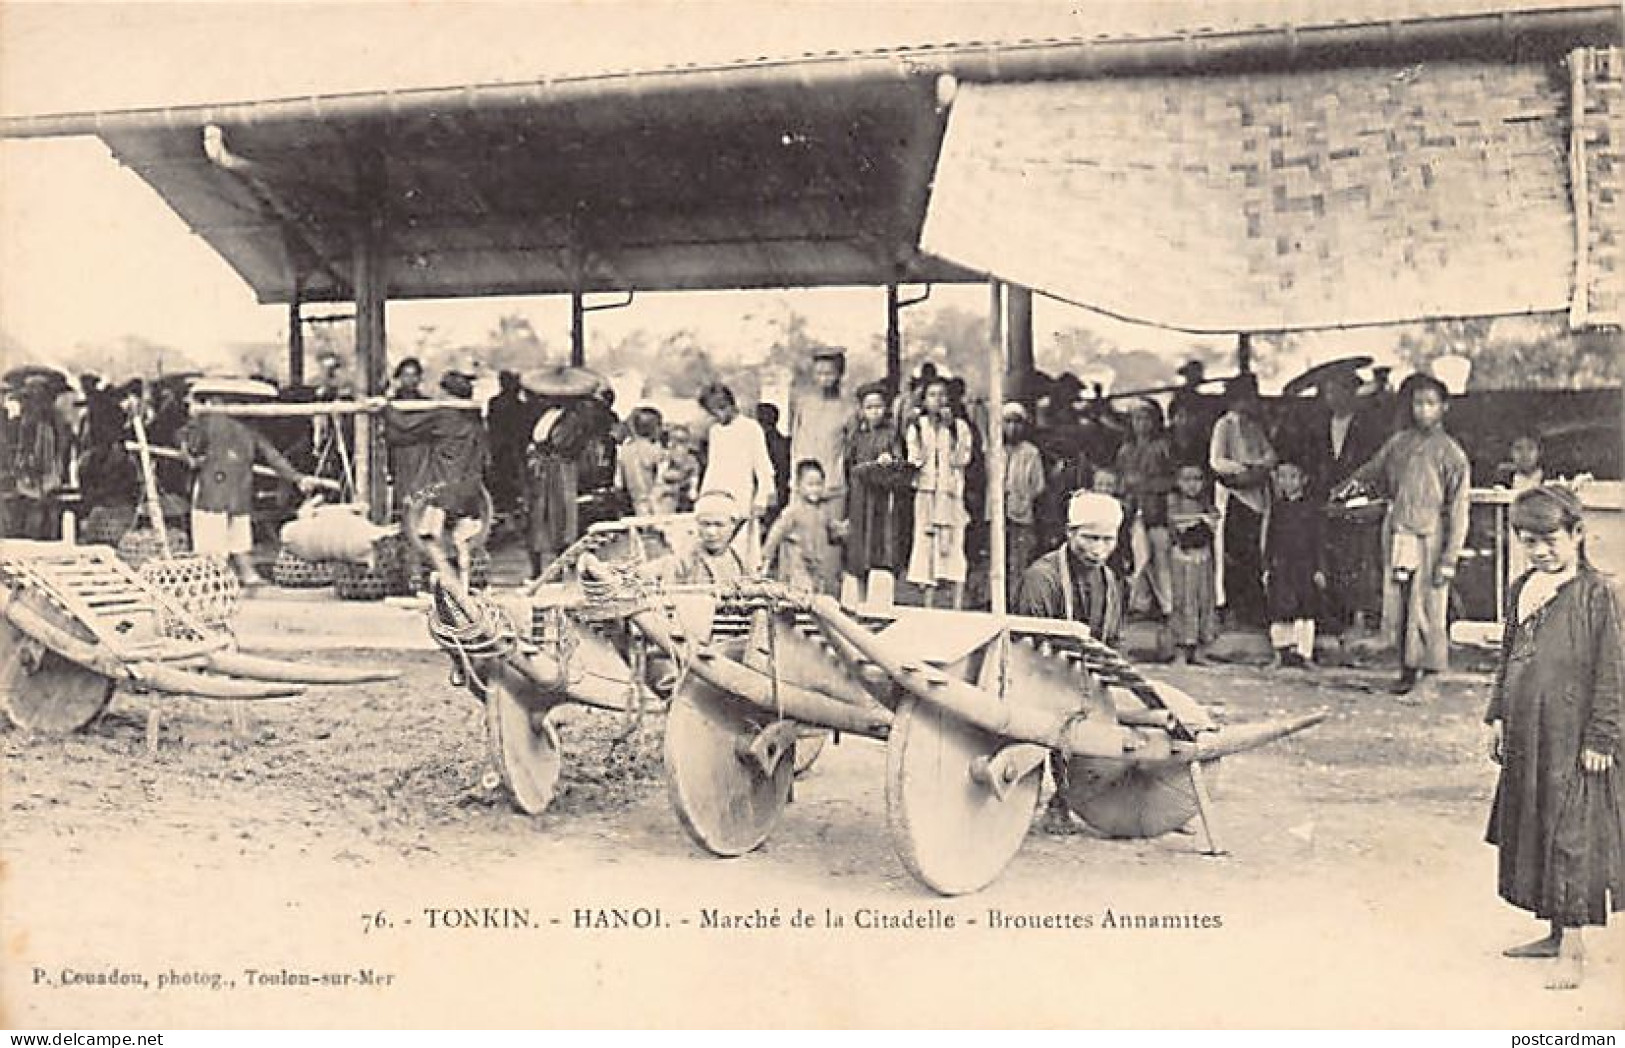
(1099, 515)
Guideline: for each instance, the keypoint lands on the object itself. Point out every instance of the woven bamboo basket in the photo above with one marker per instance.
(106, 525)
(141, 544)
(205, 586)
(359, 582)
(292, 571)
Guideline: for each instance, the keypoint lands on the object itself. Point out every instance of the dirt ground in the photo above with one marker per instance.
(330, 839)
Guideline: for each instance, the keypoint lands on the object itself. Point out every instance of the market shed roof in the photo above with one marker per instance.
(808, 171)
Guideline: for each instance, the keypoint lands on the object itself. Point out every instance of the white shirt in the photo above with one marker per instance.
(737, 462)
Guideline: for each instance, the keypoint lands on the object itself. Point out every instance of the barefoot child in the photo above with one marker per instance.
(1425, 472)
(800, 547)
(1293, 573)
(1554, 716)
(1193, 520)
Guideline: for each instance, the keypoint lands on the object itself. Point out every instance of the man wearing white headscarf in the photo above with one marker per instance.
(717, 517)
(1073, 582)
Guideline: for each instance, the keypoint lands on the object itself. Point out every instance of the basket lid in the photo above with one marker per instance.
(563, 381)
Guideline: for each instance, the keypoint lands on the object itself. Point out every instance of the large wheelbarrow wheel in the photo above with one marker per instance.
(42, 691)
(525, 747)
(722, 797)
(1122, 799)
(953, 833)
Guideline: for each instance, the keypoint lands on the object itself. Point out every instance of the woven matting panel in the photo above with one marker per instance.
(1320, 198)
(1599, 77)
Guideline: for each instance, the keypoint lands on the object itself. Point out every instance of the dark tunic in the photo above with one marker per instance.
(407, 454)
(1292, 555)
(450, 450)
(1558, 690)
(1062, 586)
(878, 502)
(223, 450)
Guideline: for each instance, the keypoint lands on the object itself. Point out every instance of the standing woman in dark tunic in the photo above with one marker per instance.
(878, 493)
(1554, 716)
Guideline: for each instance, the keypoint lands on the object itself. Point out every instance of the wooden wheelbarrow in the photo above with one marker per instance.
(76, 621)
(970, 706)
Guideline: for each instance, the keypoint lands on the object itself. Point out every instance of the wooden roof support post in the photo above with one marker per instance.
(578, 329)
(296, 337)
(894, 341)
(1019, 332)
(998, 339)
(371, 346)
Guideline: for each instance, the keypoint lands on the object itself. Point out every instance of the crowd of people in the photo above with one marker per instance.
(1349, 507)
(1231, 513)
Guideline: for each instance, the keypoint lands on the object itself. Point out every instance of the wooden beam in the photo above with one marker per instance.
(1019, 333)
(371, 345)
(894, 340)
(578, 330)
(998, 336)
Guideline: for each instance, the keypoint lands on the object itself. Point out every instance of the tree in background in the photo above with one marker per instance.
(1536, 352)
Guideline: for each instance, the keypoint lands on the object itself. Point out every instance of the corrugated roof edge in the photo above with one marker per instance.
(1005, 60)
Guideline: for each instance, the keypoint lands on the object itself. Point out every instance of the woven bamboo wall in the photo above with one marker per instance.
(1600, 274)
(1268, 202)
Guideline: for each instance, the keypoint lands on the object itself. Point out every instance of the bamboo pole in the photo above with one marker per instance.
(998, 335)
(330, 407)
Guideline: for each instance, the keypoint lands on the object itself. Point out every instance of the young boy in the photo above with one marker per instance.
(800, 547)
(1293, 573)
(1193, 520)
(637, 466)
(1425, 473)
(1106, 480)
(1023, 487)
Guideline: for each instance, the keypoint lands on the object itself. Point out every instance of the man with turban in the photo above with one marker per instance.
(1073, 582)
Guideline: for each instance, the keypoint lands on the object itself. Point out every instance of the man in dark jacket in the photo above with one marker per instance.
(446, 505)
(222, 450)
(1073, 582)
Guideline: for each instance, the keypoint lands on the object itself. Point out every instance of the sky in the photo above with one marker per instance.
(89, 253)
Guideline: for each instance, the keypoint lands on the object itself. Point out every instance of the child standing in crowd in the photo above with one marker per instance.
(1425, 473)
(1146, 465)
(800, 547)
(736, 461)
(1107, 481)
(679, 472)
(1293, 573)
(1554, 717)
(1523, 472)
(876, 508)
(637, 466)
(939, 444)
(1023, 486)
(1193, 520)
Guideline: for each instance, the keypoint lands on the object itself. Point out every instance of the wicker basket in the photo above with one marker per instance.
(205, 586)
(141, 544)
(359, 582)
(397, 564)
(106, 525)
(292, 571)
